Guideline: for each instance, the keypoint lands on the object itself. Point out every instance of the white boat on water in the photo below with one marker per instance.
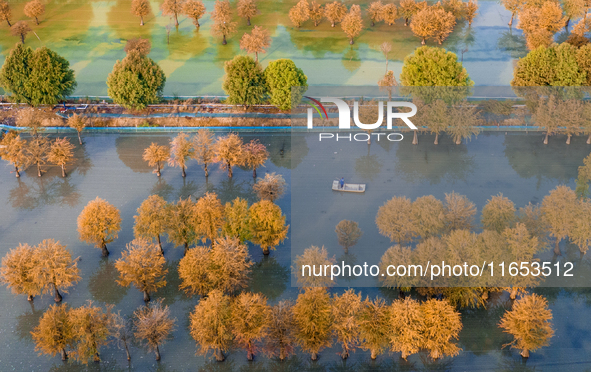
(348, 187)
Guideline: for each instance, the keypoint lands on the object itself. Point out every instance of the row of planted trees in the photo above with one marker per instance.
(426, 21)
(314, 322)
(228, 150)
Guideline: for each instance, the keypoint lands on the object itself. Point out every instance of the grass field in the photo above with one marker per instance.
(92, 34)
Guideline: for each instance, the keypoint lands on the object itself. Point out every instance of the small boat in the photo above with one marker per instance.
(349, 187)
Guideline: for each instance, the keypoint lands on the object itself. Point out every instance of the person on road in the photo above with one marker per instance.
(342, 182)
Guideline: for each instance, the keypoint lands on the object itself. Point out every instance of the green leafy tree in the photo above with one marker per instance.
(555, 65)
(529, 322)
(285, 83)
(55, 332)
(142, 265)
(40, 77)
(150, 221)
(99, 223)
(268, 225)
(211, 324)
(250, 321)
(313, 320)
(430, 66)
(244, 82)
(136, 81)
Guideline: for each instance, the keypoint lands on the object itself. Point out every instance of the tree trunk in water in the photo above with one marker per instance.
(157, 351)
(23, 38)
(57, 297)
(176, 20)
(9, 25)
(589, 139)
(37, 21)
(459, 141)
(513, 294)
(332, 24)
(184, 174)
(38, 170)
(186, 248)
(224, 42)
(141, 20)
(404, 355)
(546, 139)
(566, 25)
(105, 250)
(374, 355)
(254, 173)
(64, 355)
(423, 41)
(281, 353)
(63, 170)
(401, 294)
(346, 249)
(345, 353)
(525, 353)
(372, 23)
(219, 356)
(158, 170)
(351, 41)
(229, 170)
(146, 296)
(266, 251)
(511, 20)
(250, 352)
(314, 356)
(248, 21)
(415, 138)
(17, 172)
(160, 245)
(127, 351)
(557, 247)
(207, 170)
(30, 298)
(406, 21)
(79, 138)
(97, 358)
(436, 139)
(568, 136)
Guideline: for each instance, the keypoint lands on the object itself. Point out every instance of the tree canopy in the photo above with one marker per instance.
(430, 66)
(283, 78)
(36, 77)
(244, 82)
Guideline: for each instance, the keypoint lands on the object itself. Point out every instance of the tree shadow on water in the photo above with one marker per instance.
(269, 278)
(102, 285)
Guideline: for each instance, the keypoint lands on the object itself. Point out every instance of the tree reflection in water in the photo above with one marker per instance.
(102, 285)
(43, 191)
(269, 278)
(434, 163)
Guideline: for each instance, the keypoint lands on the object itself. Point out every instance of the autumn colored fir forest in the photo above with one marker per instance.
(151, 220)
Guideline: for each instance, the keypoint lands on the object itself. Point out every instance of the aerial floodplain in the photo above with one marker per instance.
(302, 185)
